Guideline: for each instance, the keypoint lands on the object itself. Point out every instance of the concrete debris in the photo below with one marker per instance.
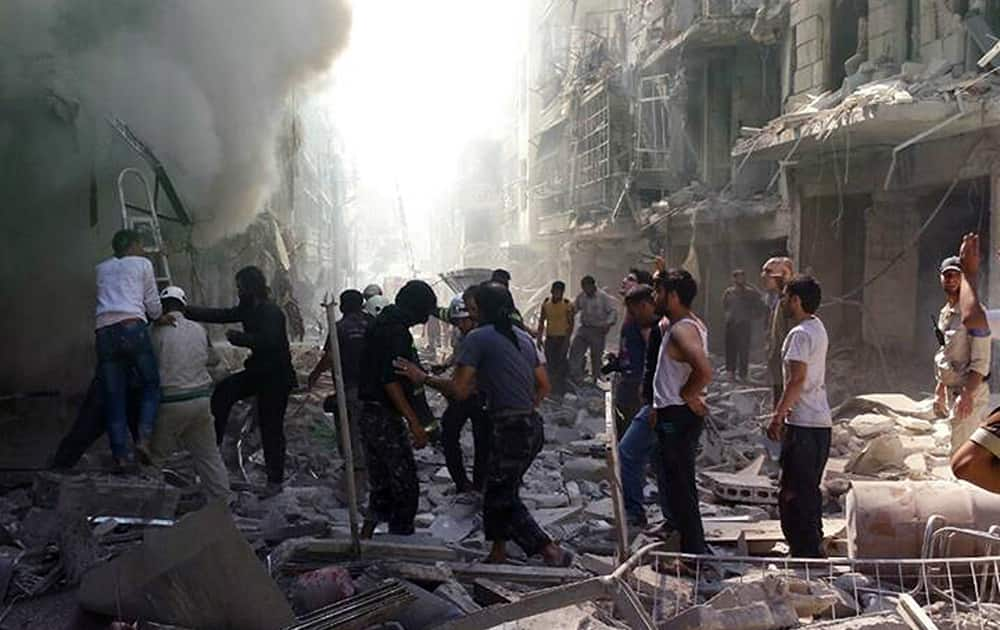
(753, 616)
(88, 495)
(881, 453)
(178, 576)
(302, 532)
(743, 488)
(586, 469)
(808, 598)
(888, 519)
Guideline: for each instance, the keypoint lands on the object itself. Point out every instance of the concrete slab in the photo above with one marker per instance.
(200, 573)
(93, 496)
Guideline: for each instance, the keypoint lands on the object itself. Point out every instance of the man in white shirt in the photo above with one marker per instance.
(185, 421)
(802, 420)
(598, 313)
(127, 300)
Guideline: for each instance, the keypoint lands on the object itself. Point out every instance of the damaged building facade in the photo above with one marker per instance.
(632, 109)
(887, 154)
(854, 135)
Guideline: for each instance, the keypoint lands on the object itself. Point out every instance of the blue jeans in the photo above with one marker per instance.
(123, 349)
(634, 450)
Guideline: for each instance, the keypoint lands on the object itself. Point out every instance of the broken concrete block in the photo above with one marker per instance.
(118, 497)
(807, 598)
(739, 488)
(916, 425)
(321, 587)
(585, 468)
(916, 464)
(200, 573)
(573, 493)
(754, 616)
(457, 520)
(881, 453)
(868, 425)
(602, 509)
(887, 519)
(917, 443)
(456, 594)
(549, 517)
(547, 500)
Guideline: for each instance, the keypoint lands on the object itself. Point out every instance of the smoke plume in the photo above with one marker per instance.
(203, 82)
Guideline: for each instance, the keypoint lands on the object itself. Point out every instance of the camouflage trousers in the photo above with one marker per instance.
(517, 440)
(394, 491)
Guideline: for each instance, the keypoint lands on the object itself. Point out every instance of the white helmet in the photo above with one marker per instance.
(175, 293)
(457, 309)
(371, 291)
(375, 304)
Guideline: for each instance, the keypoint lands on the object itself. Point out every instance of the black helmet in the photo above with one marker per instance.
(417, 300)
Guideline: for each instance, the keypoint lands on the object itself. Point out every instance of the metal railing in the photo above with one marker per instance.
(964, 591)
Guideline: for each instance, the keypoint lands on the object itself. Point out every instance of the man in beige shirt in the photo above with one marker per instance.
(776, 273)
(961, 363)
(185, 419)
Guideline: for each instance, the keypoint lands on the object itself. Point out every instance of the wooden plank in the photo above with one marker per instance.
(338, 547)
(522, 574)
(601, 565)
(760, 534)
(417, 572)
(914, 616)
(614, 478)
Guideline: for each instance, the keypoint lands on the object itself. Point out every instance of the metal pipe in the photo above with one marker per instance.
(345, 425)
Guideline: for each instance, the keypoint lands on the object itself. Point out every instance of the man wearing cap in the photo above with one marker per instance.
(961, 363)
(184, 354)
(776, 273)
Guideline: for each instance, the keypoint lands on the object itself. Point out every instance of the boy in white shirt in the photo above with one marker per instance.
(802, 420)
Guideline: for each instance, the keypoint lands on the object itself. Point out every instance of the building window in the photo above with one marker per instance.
(844, 40)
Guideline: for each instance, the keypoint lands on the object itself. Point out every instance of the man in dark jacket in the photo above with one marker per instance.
(351, 330)
(393, 410)
(267, 373)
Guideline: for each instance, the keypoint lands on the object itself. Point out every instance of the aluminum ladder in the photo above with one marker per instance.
(144, 221)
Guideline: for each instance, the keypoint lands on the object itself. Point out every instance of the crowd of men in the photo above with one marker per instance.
(155, 379)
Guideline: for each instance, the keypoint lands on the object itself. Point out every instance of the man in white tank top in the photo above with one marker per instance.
(802, 420)
(682, 374)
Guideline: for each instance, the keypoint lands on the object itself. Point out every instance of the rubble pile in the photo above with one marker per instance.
(891, 437)
(108, 539)
(873, 84)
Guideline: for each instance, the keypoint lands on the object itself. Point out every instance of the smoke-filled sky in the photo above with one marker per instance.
(418, 81)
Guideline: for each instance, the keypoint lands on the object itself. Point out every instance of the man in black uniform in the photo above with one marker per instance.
(268, 373)
(391, 405)
(351, 329)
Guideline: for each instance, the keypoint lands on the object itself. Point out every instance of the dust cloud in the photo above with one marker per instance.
(203, 82)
